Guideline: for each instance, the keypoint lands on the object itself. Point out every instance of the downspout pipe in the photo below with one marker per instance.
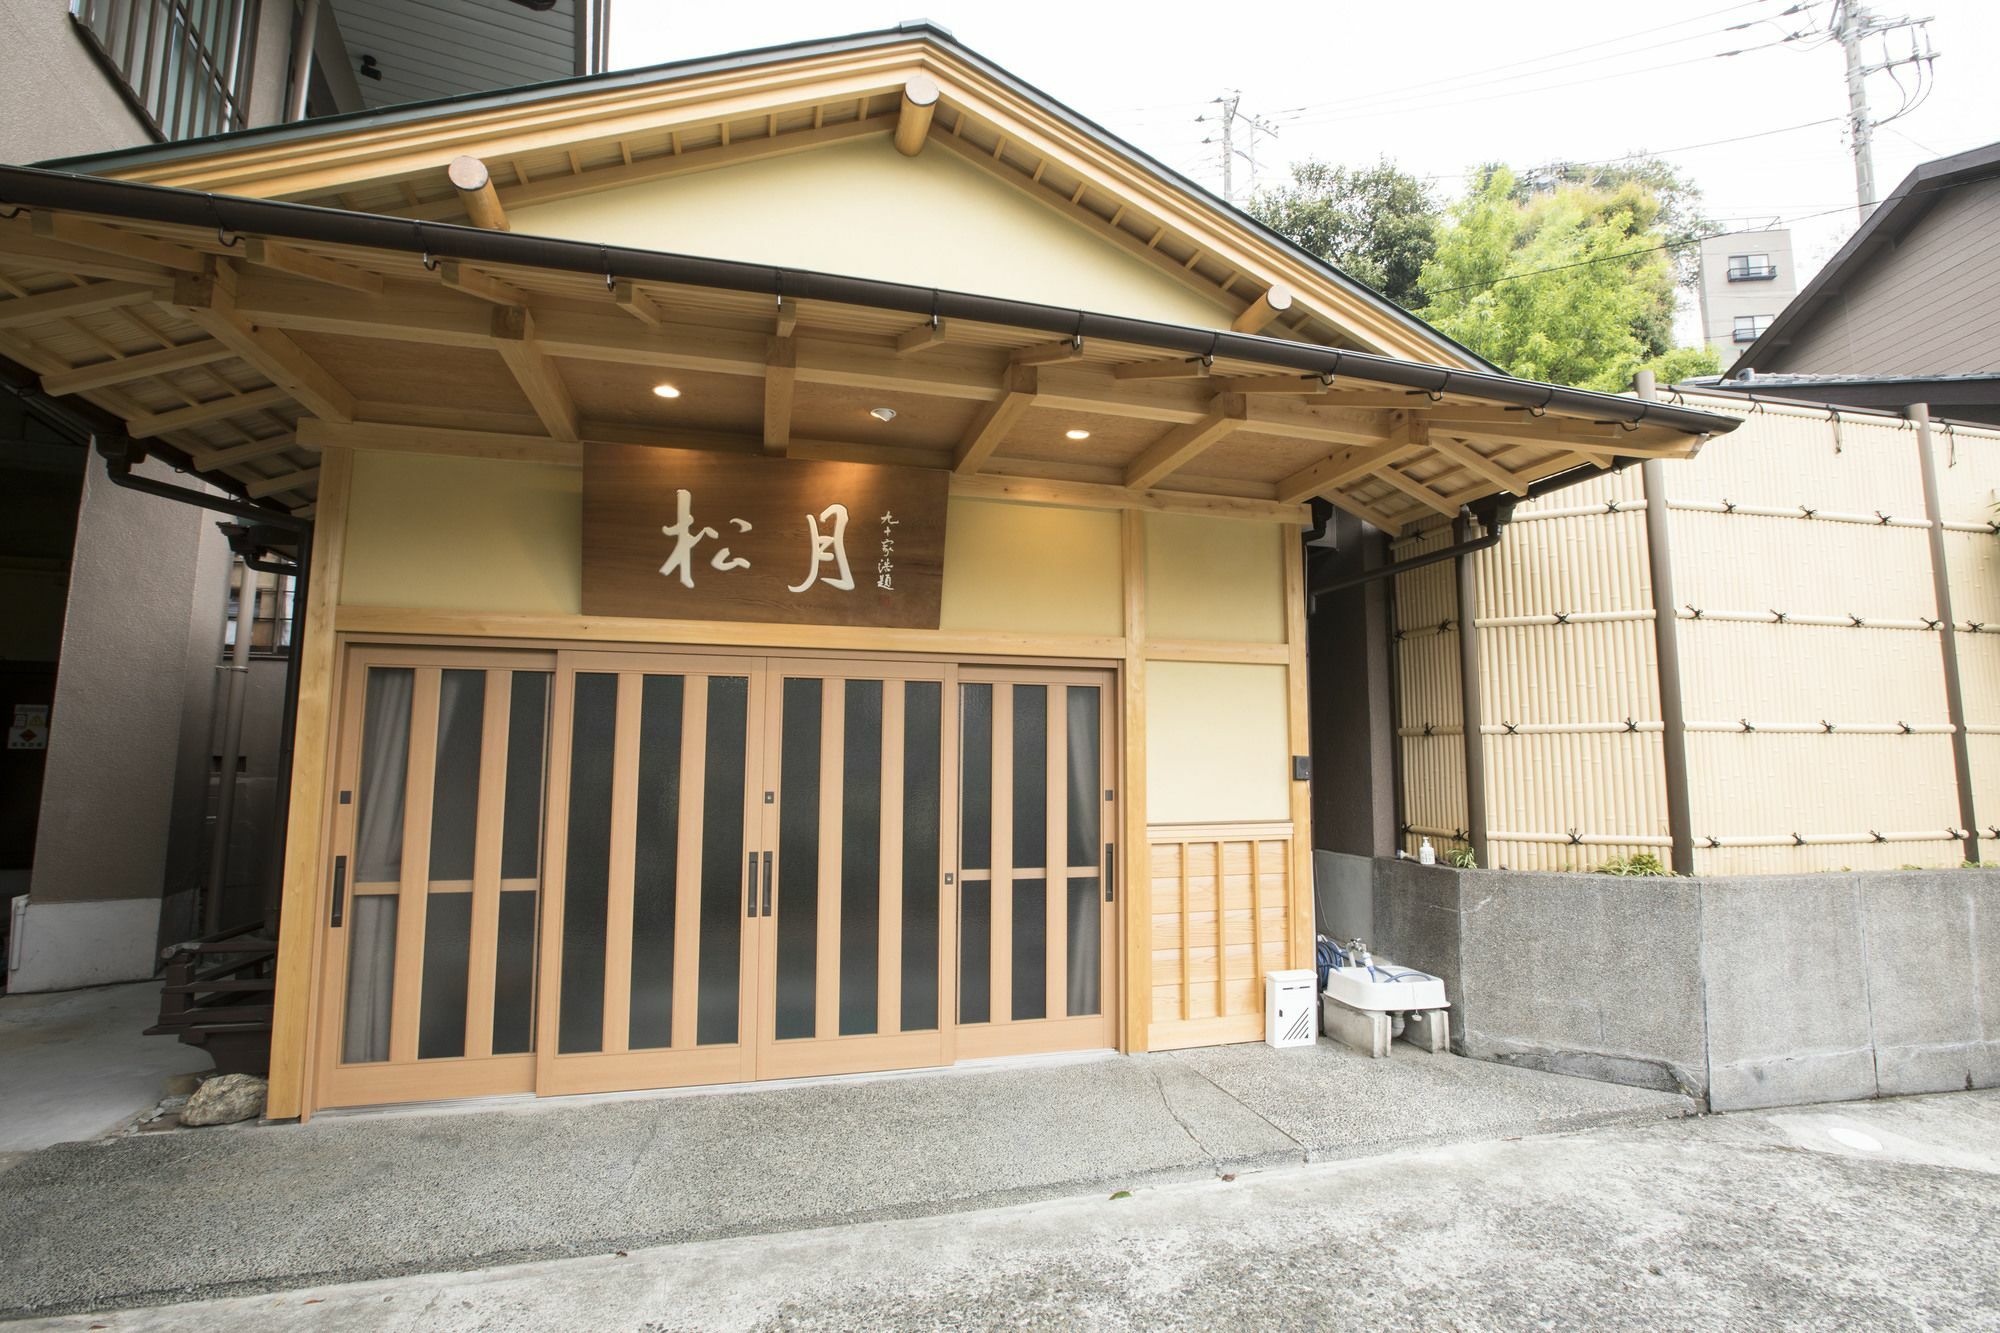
(1954, 688)
(303, 41)
(1471, 716)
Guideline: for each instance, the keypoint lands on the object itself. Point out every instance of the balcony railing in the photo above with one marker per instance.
(183, 65)
(1752, 272)
(1747, 334)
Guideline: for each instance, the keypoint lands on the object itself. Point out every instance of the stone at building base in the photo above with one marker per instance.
(1363, 1030)
(225, 1100)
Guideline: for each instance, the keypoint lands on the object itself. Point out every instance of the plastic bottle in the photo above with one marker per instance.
(1427, 854)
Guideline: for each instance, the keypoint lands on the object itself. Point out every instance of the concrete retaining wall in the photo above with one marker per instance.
(1748, 991)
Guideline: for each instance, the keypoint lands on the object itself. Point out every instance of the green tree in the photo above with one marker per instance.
(1378, 224)
(1568, 284)
(1681, 217)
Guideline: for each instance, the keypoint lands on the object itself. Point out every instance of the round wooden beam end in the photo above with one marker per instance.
(1279, 297)
(467, 172)
(921, 90)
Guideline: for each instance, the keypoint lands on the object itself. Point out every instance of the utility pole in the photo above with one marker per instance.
(1851, 24)
(1230, 104)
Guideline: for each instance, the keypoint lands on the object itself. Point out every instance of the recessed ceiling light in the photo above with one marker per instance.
(883, 413)
(666, 391)
(1076, 434)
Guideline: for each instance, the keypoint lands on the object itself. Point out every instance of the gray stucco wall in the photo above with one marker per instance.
(56, 100)
(1747, 991)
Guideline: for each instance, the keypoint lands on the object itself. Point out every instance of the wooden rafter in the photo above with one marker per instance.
(143, 365)
(70, 302)
(1478, 464)
(534, 371)
(89, 235)
(637, 304)
(291, 259)
(1193, 367)
(922, 336)
(207, 460)
(990, 427)
(1415, 489)
(149, 424)
(478, 282)
(1183, 444)
(780, 376)
(208, 299)
(284, 481)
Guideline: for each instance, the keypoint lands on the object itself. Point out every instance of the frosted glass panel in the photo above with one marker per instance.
(1031, 776)
(1031, 957)
(514, 975)
(797, 901)
(1085, 921)
(527, 739)
(923, 761)
(587, 877)
(447, 953)
(1085, 798)
(976, 761)
(722, 864)
(371, 977)
(860, 856)
(385, 767)
(656, 854)
(455, 783)
(975, 935)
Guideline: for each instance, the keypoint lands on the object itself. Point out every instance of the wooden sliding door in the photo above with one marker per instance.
(649, 949)
(855, 932)
(429, 967)
(1036, 927)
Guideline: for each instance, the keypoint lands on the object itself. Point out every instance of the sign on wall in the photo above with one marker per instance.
(680, 534)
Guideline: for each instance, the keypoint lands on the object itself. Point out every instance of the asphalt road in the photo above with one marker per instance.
(1883, 1215)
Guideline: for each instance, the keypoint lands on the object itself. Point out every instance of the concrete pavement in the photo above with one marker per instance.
(1863, 1215)
(76, 1065)
(185, 1215)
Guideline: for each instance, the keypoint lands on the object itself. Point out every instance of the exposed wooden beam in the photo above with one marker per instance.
(477, 282)
(1275, 301)
(393, 437)
(124, 370)
(922, 336)
(1381, 518)
(112, 241)
(286, 481)
(1275, 384)
(780, 372)
(291, 259)
(1415, 489)
(207, 460)
(637, 304)
(1340, 469)
(990, 427)
(1187, 368)
(22, 243)
(914, 115)
(1093, 495)
(72, 301)
(1048, 354)
(147, 425)
(1280, 416)
(1478, 464)
(534, 371)
(788, 317)
(474, 184)
(208, 299)
(1183, 444)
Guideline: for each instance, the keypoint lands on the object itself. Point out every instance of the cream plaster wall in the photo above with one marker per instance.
(1216, 748)
(1032, 567)
(1214, 578)
(464, 534)
(863, 209)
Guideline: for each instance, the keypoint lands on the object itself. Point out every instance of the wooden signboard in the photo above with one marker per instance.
(677, 534)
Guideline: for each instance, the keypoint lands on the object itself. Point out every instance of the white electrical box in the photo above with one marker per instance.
(1291, 1007)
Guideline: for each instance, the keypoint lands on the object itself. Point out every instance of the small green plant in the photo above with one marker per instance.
(1639, 864)
(1979, 865)
(1461, 858)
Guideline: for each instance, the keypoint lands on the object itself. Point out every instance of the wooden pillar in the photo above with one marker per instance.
(1136, 862)
(312, 759)
(1298, 727)
(1471, 714)
(1667, 649)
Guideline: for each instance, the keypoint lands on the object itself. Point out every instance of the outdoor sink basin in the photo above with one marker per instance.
(1385, 988)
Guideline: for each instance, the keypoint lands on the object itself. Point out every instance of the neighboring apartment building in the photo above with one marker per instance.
(1908, 311)
(118, 602)
(1745, 279)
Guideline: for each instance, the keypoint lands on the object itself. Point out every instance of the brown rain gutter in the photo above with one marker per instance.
(230, 214)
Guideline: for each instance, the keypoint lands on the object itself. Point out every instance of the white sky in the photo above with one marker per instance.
(1441, 85)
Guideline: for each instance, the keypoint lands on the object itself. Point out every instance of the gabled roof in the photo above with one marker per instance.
(1893, 219)
(573, 136)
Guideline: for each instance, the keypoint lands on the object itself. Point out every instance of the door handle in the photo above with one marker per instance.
(767, 883)
(339, 891)
(1110, 873)
(752, 909)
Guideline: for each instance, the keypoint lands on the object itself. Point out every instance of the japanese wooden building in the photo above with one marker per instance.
(805, 555)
